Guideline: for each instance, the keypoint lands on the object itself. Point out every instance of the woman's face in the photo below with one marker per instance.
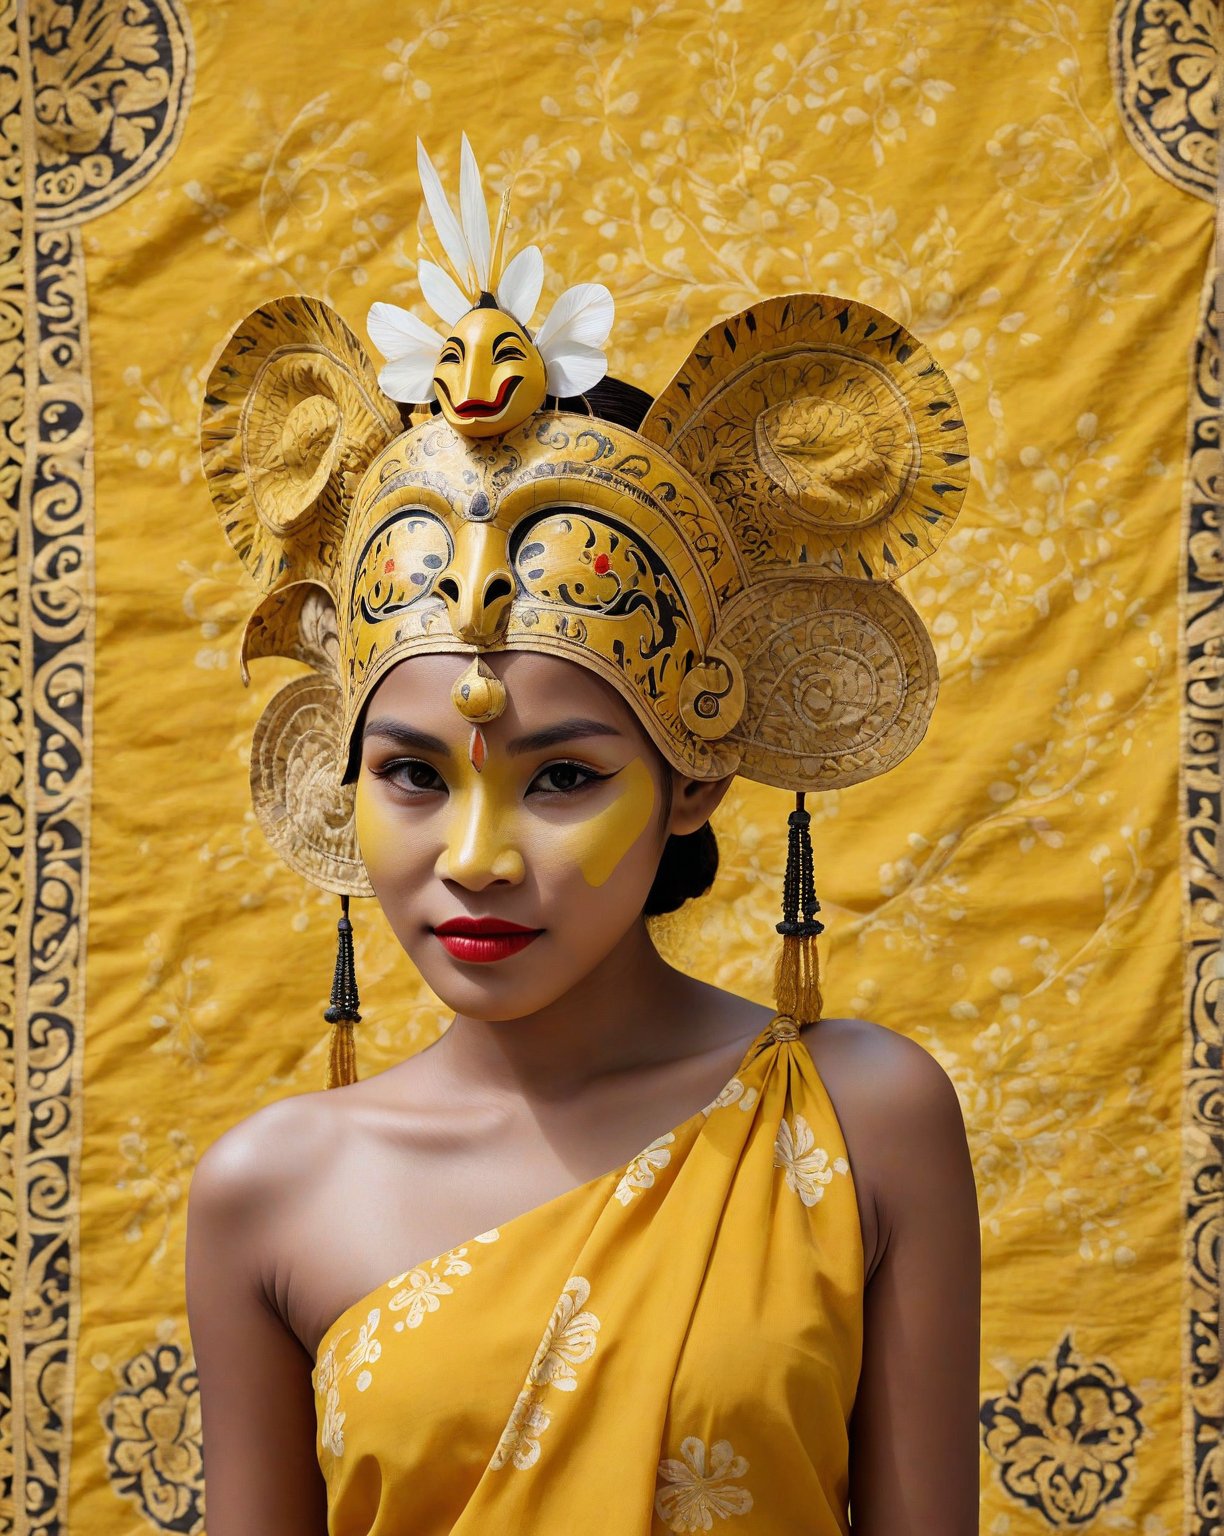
(551, 847)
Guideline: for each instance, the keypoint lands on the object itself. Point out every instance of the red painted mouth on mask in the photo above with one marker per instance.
(491, 407)
(481, 940)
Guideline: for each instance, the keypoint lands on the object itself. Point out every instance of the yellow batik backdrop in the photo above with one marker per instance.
(1027, 185)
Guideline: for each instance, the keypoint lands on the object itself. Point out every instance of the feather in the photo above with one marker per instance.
(444, 221)
(499, 238)
(583, 313)
(474, 213)
(572, 367)
(397, 332)
(443, 295)
(409, 378)
(518, 293)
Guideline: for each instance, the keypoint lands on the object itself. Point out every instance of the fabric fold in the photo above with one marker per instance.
(671, 1346)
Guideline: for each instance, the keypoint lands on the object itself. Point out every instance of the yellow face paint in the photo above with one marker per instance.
(490, 828)
(489, 376)
(602, 842)
(374, 817)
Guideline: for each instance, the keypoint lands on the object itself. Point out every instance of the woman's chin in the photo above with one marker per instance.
(493, 993)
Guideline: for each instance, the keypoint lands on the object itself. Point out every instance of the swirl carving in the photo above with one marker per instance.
(839, 680)
(304, 810)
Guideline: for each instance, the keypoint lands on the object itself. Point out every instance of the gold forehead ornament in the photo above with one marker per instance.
(729, 568)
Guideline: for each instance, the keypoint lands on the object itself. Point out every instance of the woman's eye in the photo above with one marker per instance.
(410, 773)
(561, 778)
(448, 355)
(509, 355)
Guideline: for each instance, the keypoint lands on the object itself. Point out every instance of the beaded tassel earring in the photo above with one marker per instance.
(344, 1009)
(797, 983)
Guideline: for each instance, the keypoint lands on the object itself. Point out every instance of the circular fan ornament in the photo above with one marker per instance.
(298, 621)
(291, 410)
(840, 680)
(304, 810)
(825, 433)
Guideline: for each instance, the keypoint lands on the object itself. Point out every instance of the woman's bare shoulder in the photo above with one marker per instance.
(860, 1050)
(255, 1163)
(898, 1110)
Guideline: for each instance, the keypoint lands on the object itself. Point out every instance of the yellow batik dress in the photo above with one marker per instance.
(673, 1346)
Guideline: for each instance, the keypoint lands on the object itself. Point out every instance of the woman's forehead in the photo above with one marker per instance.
(541, 690)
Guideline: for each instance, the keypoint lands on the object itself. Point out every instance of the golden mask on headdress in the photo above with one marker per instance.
(487, 372)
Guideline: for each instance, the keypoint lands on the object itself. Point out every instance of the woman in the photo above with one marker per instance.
(726, 1274)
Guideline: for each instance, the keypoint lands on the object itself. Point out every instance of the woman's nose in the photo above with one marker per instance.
(479, 850)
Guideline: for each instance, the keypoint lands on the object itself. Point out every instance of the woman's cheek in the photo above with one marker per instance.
(600, 844)
(376, 831)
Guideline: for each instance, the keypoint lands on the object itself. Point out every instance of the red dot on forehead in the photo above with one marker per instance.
(602, 565)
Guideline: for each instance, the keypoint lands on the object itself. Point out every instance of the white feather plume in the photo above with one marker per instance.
(411, 348)
(409, 379)
(572, 336)
(443, 295)
(395, 331)
(518, 292)
(450, 232)
(572, 368)
(583, 313)
(474, 213)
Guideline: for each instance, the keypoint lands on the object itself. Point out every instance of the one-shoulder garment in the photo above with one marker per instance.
(672, 1346)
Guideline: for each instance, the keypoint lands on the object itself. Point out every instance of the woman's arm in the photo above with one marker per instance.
(914, 1435)
(261, 1474)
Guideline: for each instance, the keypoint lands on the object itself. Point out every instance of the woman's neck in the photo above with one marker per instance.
(633, 1010)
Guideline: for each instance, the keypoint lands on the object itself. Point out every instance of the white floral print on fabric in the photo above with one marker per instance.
(568, 1341)
(366, 1351)
(808, 1169)
(421, 1295)
(419, 1291)
(694, 1498)
(733, 1093)
(640, 1174)
(327, 1379)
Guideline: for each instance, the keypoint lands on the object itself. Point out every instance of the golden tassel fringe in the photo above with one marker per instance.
(797, 980)
(341, 1055)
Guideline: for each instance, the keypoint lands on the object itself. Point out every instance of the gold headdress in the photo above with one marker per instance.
(728, 567)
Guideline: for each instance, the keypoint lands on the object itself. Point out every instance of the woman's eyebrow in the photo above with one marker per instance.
(405, 736)
(564, 730)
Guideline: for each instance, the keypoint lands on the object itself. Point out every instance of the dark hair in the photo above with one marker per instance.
(687, 867)
(611, 400)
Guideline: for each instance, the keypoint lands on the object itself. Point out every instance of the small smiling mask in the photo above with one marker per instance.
(489, 376)
(488, 373)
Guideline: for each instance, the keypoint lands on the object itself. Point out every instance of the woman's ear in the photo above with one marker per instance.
(694, 801)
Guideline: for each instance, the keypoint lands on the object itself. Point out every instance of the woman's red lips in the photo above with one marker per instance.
(481, 925)
(482, 939)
